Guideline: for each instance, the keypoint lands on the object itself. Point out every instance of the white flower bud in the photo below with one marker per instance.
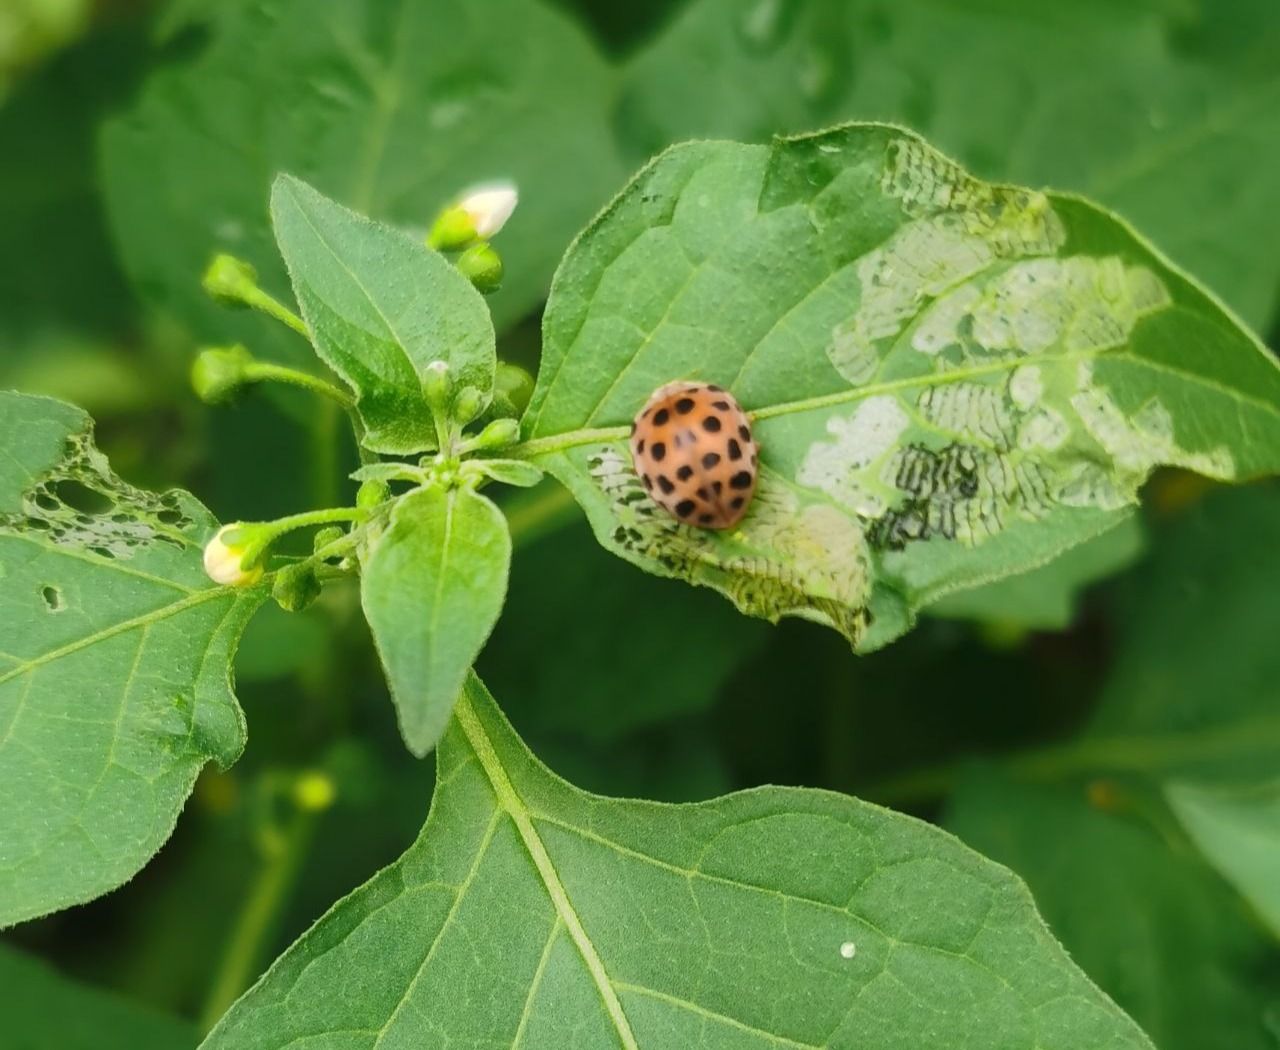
(222, 557)
(489, 206)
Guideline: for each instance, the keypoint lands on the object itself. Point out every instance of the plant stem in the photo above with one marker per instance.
(259, 916)
(265, 371)
(556, 442)
(272, 307)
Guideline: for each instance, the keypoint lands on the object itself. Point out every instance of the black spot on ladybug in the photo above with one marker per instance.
(703, 494)
(744, 432)
(715, 389)
(684, 406)
(717, 487)
(710, 460)
(735, 450)
(711, 424)
(658, 451)
(685, 507)
(640, 446)
(664, 483)
(685, 472)
(722, 405)
(706, 519)
(660, 417)
(737, 502)
(741, 480)
(648, 482)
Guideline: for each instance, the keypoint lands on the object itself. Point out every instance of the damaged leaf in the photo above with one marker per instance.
(950, 381)
(114, 662)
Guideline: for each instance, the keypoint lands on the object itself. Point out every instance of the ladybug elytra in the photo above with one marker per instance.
(693, 449)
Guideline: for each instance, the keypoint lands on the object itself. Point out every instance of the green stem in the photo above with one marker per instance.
(556, 442)
(259, 916)
(265, 371)
(272, 307)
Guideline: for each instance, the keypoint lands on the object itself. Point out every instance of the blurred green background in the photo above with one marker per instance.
(1040, 719)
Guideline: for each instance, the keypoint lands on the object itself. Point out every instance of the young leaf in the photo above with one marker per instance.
(951, 381)
(114, 663)
(381, 307)
(531, 914)
(42, 1010)
(432, 586)
(1238, 830)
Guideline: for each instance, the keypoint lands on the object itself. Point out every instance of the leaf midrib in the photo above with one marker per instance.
(513, 805)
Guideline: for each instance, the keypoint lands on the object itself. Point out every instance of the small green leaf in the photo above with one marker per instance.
(771, 918)
(1238, 830)
(381, 307)
(432, 586)
(114, 663)
(951, 381)
(511, 472)
(42, 1010)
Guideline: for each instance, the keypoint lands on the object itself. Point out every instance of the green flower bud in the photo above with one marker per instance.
(323, 537)
(219, 372)
(467, 405)
(230, 281)
(482, 266)
(437, 387)
(498, 434)
(296, 586)
(372, 494)
(513, 385)
(453, 229)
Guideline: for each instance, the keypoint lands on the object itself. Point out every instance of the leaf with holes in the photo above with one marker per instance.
(951, 381)
(432, 586)
(381, 307)
(531, 914)
(114, 662)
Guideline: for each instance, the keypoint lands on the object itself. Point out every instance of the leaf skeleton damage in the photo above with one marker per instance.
(987, 340)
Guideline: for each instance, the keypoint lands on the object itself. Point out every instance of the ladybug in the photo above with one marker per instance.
(692, 447)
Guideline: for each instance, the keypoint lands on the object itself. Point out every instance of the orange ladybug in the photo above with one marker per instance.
(692, 447)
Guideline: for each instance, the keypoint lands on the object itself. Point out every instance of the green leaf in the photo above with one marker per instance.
(1046, 599)
(1109, 99)
(432, 586)
(1238, 830)
(42, 1010)
(391, 110)
(115, 664)
(775, 917)
(381, 307)
(1154, 927)
(1192, 691)
(951, 381)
